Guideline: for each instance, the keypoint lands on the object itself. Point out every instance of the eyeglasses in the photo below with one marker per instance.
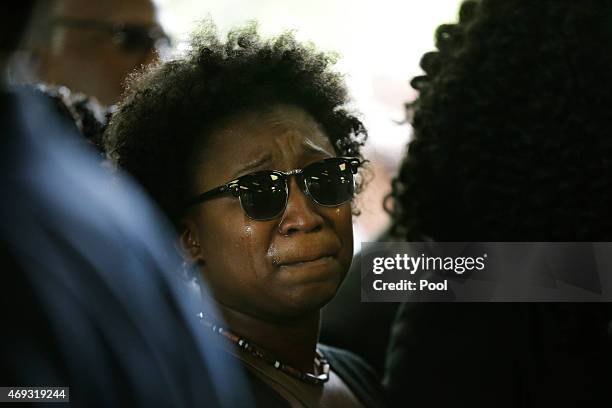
(130, 37)
(263, 195)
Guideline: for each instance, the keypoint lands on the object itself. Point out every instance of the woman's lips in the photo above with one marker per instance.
(304, 257)
(308, 263)
(304, 252)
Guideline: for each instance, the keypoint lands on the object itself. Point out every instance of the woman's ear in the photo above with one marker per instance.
(190, 240)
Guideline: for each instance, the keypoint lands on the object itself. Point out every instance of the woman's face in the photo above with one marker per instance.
(277, 269)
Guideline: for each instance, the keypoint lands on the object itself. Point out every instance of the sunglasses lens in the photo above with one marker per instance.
(263, 195)
(330, 182)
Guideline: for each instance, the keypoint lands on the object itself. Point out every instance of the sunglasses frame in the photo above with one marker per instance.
(233, 186)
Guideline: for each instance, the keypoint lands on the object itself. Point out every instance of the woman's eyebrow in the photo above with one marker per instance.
(311, 147)
(266, 158)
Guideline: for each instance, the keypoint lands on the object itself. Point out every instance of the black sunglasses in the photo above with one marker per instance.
(263, 195)
(130, 37)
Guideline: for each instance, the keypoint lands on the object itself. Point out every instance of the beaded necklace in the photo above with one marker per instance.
(320, 361)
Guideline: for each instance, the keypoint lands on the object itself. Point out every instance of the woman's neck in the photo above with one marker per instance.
(294, 343)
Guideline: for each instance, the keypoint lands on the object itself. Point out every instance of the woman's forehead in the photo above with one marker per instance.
(282, 138)
(281, 129)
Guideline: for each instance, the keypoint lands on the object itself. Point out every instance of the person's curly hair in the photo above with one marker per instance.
(169, 108)
(512, 127)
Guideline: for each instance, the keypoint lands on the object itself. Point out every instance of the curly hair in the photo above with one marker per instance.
(512, 127)
(169, 108)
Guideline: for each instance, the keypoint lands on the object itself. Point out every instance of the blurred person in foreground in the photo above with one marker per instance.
(90, 46)
(249, 148)
(91, 298)
(511, 143)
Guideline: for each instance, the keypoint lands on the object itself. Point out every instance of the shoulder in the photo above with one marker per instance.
(56, 183)
(93, 273)
(357, 374)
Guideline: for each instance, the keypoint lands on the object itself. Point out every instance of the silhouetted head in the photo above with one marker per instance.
(512, 127)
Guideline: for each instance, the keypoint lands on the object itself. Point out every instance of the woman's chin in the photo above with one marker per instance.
(311, 296)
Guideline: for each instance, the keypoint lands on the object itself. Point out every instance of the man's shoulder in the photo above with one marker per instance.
(56, 182)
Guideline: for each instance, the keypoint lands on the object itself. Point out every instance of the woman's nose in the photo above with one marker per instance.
(301, 213)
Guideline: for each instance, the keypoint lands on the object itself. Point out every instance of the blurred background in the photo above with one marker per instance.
(379, 44)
